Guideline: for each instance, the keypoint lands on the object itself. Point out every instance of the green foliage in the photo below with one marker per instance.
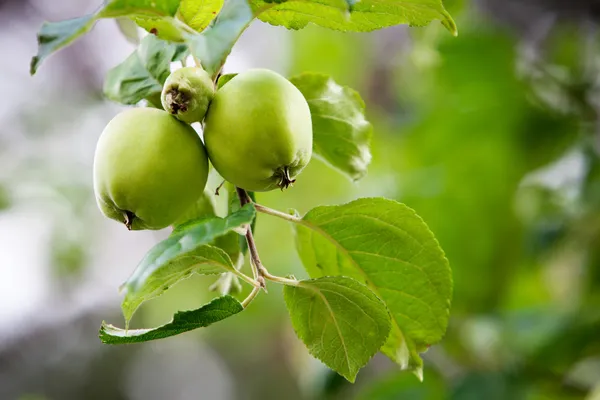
(213, 45)
(183, 321)
(143, 73)
(380, 279)
(388, 247)
(360, 16)
(199, 13)
(178, 21)
(341, 134)
(185, 252)
(340, 320)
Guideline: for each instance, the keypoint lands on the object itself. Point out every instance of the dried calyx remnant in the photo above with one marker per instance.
(178, 100)
(285, 180)
(128, 218)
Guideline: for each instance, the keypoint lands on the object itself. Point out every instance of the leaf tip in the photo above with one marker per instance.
(33, 65)
(418, 372)
(449, 23)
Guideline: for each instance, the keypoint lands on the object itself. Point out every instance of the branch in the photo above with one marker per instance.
(258, 269)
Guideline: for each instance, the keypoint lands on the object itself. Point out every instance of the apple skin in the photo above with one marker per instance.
(186, 94)
(258, 131)
(149, 168)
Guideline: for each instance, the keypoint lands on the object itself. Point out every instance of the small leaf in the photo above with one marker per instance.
(166, 28)
(183, 321)
(199, 13)
(129, 29)
(356, 16)
(341, 321)
(213, 45)
(54, 36)
(386, 245)
(403, 351)
(185, 252)
(143, 73)
(223, 79)
(341, 134)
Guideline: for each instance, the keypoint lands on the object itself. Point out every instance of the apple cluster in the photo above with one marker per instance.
(151, 166)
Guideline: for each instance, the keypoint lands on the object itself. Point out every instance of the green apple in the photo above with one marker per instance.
(258, 131)
(186, 94)
(149, 168)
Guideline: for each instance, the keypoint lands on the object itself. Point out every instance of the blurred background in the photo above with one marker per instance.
(492, 137)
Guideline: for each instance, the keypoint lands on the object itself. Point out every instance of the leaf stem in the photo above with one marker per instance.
(258, 269)
(246, 278)
(280, 279)
(275, 213)
(251, 296)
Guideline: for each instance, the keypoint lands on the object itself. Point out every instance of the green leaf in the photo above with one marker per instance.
(213, 45)
(55, 35)
(185, 252)
(129, 30)
(341, 321)
(199, 13)
(384, 244)
(341, 134)
(167, 28)
(403, 351)
(143, 73)
(357, 16)
(204, 207)
(223, 79)
(183, 321)
(398, 385)
(118, 8)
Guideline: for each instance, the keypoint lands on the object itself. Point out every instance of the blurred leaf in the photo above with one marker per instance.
(482, 385)
(5, 198)
(55, 35)
(403, 351)
(166, 28)
(223, 79)
(341, 322)
(143, 73)
(117, 8)
(199, 13)
(213, 45)
(185, 252)
(350, 15)
(386, 245)
(404, 386)
(183, 321)
(129, 29)
(341, 134)
(68, 256)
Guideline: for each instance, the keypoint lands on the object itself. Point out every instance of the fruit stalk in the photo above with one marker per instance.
(259, 269)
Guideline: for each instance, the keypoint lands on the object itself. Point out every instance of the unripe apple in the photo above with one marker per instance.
(258, 131)
(149, 168)
(186, 94)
